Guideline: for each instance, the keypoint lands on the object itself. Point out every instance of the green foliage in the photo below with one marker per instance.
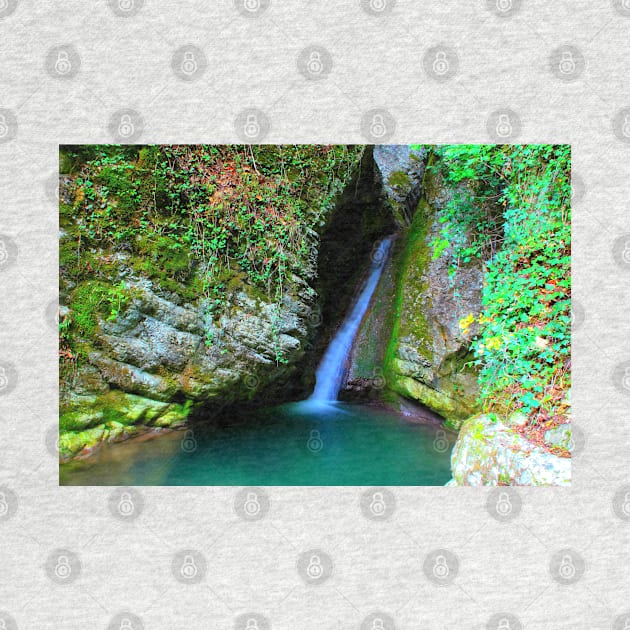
(199, 221)
(472, 219)
(523, 347)
(89, 300)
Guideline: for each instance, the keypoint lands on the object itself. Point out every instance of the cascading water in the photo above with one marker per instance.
(330, 373)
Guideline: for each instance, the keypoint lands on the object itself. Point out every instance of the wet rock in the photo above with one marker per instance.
(517, 419)
(112, 416)
(141, 359)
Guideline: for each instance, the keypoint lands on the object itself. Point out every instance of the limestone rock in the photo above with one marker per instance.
(401, 169)
(429, 353)
(489, 453)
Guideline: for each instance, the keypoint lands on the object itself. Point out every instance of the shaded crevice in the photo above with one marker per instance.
(358, 222)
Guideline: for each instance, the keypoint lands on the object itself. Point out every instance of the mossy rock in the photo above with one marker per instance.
(86, 421)
(428, 359)
(489, 452)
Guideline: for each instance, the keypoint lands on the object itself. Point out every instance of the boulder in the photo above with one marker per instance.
(488, 452)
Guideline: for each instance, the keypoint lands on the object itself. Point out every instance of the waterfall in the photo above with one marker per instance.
(331, 371)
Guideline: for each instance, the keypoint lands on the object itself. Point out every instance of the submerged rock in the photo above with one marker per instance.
(489, 453)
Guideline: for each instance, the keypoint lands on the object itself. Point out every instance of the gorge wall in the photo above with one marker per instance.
(415, 346)
(148, 338)
(194, 279)
(411, 344)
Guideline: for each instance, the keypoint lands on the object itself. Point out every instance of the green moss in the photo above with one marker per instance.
(72, 442)
(92, 299)
(410, 266)
(87, 420)
(399, 179)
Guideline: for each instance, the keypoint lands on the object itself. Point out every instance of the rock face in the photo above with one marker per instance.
(401, 169)
(161, 356)
(427, 354)
(489, 453)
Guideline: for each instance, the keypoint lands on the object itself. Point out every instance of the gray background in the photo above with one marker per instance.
(128, 56)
